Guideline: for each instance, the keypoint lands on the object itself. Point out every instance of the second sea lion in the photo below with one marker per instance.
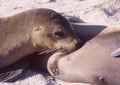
(92, 63)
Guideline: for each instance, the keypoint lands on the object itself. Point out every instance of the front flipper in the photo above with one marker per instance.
(15, 71)
(116, 53)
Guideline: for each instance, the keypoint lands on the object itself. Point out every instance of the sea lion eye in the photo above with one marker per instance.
(59, 35)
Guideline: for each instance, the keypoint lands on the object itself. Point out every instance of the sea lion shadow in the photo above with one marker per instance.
(84, 30)
(38, 67)
(87, 32)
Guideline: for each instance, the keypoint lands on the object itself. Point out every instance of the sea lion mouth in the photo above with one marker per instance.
(64, 51)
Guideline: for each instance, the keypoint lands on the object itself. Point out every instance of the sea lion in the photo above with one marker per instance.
(90, 64)
(34, 31)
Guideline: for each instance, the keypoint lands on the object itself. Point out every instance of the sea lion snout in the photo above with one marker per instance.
(68, 45)
(72, 46)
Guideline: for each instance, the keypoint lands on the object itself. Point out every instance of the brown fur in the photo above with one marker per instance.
(33, 31)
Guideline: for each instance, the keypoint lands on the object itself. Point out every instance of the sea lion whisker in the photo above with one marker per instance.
(43, 50)
(48, 51)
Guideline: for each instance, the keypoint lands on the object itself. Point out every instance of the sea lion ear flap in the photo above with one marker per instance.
(36, 35)
(116, 53)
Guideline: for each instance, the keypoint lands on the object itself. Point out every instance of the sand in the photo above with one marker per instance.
(98, 12)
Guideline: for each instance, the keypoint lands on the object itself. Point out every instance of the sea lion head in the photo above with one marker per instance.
(53, 31)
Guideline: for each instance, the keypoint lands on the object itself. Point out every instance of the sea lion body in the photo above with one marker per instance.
(33, 31)
(92, 63)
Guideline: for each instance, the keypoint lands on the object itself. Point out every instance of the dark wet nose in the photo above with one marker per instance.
(79, 44)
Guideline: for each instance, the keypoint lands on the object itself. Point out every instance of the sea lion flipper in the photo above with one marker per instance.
(116, 53)
(10, 76)
(13, 72)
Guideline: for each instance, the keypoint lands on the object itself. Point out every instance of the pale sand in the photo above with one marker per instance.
(101, 12)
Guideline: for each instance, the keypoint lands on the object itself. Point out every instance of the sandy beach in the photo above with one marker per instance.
(98, 12)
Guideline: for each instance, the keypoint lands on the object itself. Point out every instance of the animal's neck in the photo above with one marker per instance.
(113, 33)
